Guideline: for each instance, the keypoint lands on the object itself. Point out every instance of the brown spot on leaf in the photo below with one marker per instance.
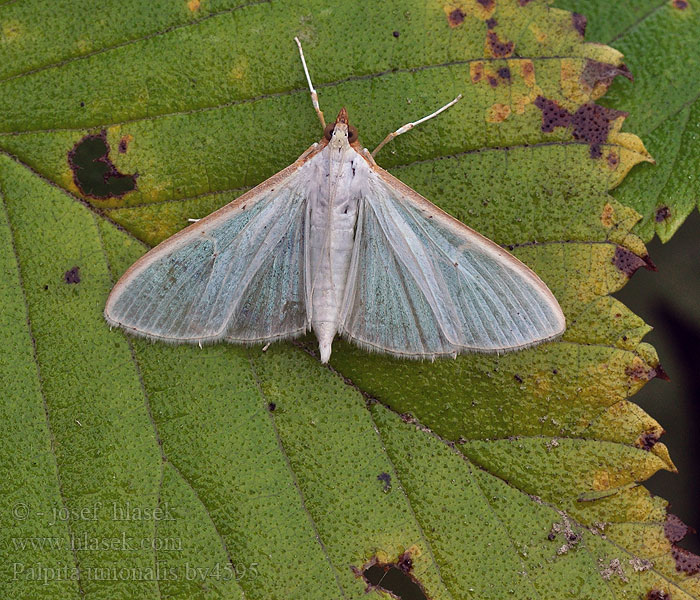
(590, 123)
(686, 561)
(498, 113)
(662, 213)
(493, 82)
(675, 529)
(527, 69)
(456, 17)
(499, 48)
(596, 72)
(518, 378)
(94, 173)
(72, 275)
(607, 216)
(613, 159)
(579, 22)
(393, 578)
(627, 261)
(476, 71)
(661, 373)
(639, 371)
(405, 563)
(385, 478)
(504, 73)
(396, 34)
(491, 23)
(648, 440)
(487, 4)
(124, 143)
(524, 2)
(680, 4)
(657, 595)
(553, 115)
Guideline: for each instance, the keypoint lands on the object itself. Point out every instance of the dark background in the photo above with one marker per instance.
(669, 301)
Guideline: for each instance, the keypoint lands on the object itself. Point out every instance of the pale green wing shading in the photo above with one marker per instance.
(422, 284)
(238, 274)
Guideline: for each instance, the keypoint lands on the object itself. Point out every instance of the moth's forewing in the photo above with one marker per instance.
(237, 274)
(425, 285)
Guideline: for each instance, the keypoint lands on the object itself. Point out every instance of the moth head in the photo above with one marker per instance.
(341, 131)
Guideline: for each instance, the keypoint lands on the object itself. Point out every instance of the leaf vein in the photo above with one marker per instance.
(129, 42)
(295, 481)
(638, 22)
(163, 456)
(290, 92)
(49, 428)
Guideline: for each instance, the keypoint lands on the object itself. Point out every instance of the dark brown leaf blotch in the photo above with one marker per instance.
(627, 261)
(591, 123)
(686, 561)
(639, 372)
(599, 72)
(94, 173)
(394, 578)
(455, 18)
(657, 595)
(648, 440)
(499, 48)
(579, 22)
(675, 529)
(72, 275)
(661, 373)
(504, 73)
(553, 115)
(123, 144)
(385, 478)
(662, 213)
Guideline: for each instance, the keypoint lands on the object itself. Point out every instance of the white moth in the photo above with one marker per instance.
(335, 244)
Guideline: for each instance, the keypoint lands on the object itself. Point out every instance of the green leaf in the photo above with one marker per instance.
(659, 42)
(139, 470)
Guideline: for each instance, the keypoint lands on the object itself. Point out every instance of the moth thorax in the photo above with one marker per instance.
(340, 136)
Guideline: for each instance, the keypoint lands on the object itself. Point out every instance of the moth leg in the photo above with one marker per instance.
(314, 95)
(409, 126)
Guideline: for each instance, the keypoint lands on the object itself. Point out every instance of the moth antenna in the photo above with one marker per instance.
(314, 95)
(409, 126)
